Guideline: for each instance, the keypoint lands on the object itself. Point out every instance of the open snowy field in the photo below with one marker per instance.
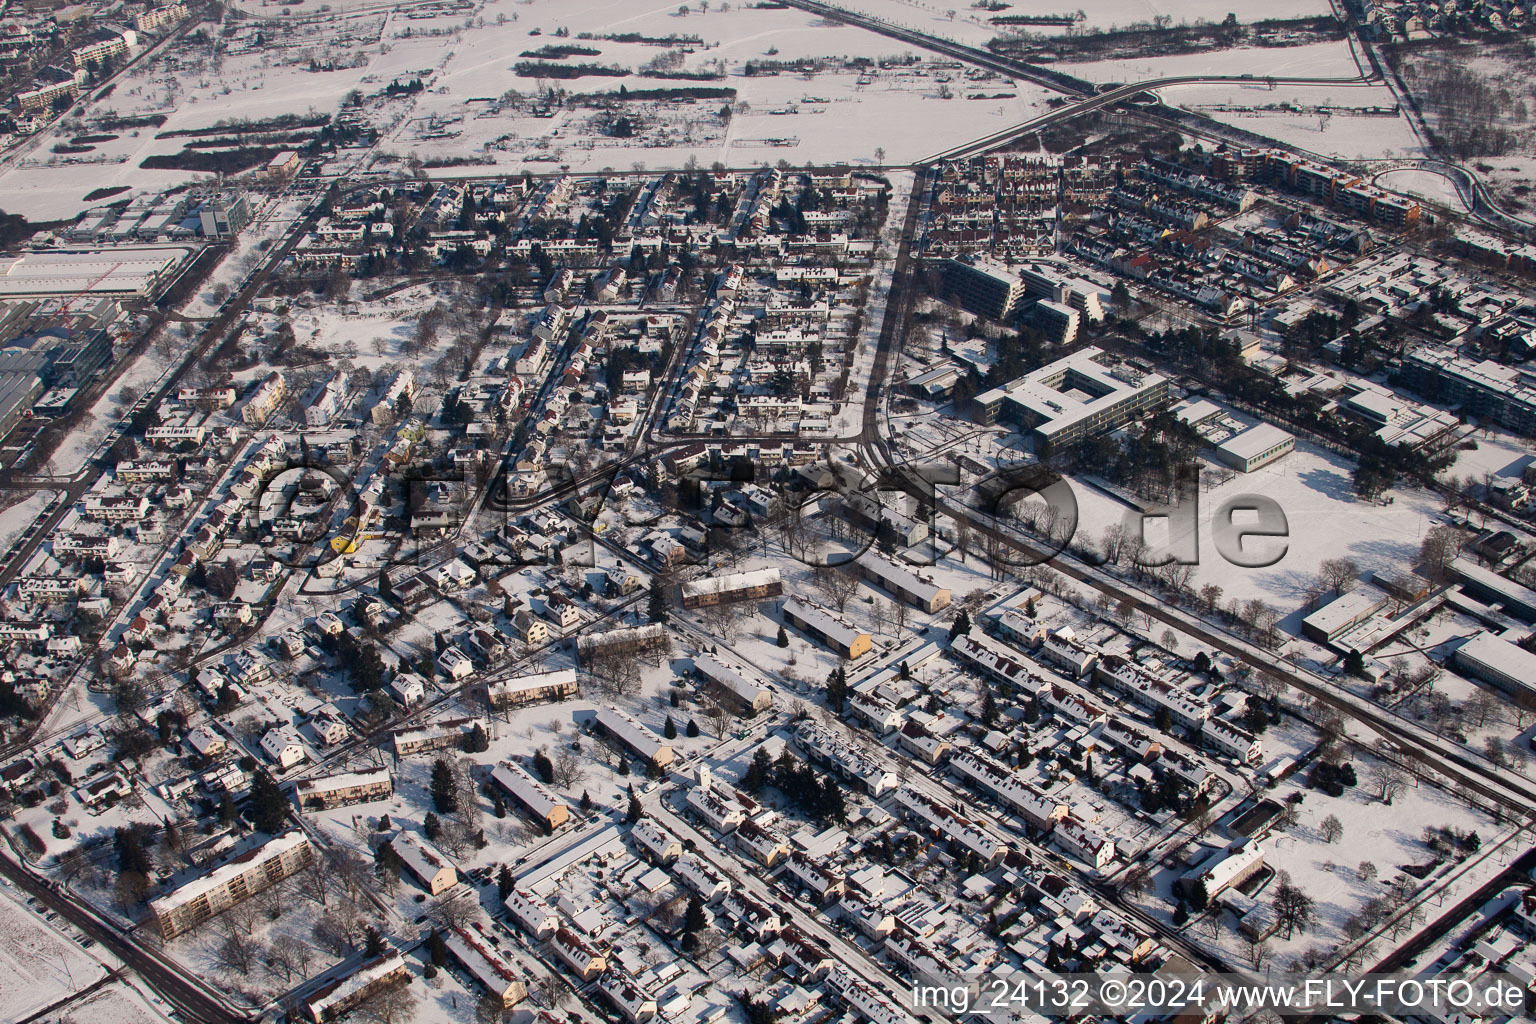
(39, 965)
(966, 24)
(837, 114)
(1330, 120)
(1325, 518)
(1317, 60)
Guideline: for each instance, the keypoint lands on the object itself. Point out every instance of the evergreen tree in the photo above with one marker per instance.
(988, 706)
(962, 625)
(669, 730)
(783, 637)
(544, 767)
(623, 768)
(759, 771)
(656, 608)
(445, 792)
(1181, 914)
(430, 826)
(636, 811)
(694, 918)
(837, 689)
(1199, 896)
(269, 808)
(693, 729)
(505, 883)
(479, 741)
(373, 942)
(386, 589)
(586, 801)
(437, 949)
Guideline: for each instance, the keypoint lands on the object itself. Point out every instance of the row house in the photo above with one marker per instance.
(448, 734)
(1072, 704)
(538, 688)
(530, 795)
(531, 913)
(145, 471)
(759, 843)
(732, 588)
(628, 734)
(1231, 739)
(662, 846)
(806, 952)
(424, 862)
(626, 995)
(337, 998)
(584, 960)
(1153, 692)
(492, 971)
(651, 638)
(814, 876)
(1136, 744)
(741, 694)
(343, 790)
(825, 747)
(1066, 652)
(963, 833)
(759, 921)
(1007, 788)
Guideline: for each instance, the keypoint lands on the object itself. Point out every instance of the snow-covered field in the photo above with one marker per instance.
(1325, 518)
(39, 965)
(1316, 60)
(17, 516)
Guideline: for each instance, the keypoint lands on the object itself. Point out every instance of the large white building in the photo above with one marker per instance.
(1075, 397)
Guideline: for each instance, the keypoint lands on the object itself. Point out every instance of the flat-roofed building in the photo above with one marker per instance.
(1342, 614)
(1505, 394)
(983, 287)
(1257, 446)
(232, 882)
(532, 797)
(757, 585)
(1495, 660)
(1485, 584)
(1073, 398)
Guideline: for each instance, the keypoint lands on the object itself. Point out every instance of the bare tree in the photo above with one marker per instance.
(1440, 547)
(393, 1005)
(569, 771)
(1331, 828)
(1389, 777)
(838, 583)
(1338, 574)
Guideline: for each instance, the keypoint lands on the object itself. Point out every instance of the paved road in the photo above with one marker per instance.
(192, 1001)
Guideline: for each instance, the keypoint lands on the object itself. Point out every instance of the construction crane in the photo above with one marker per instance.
(82, 293)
